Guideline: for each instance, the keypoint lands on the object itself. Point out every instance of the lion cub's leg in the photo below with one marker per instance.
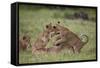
(59, 41)
(77, 48)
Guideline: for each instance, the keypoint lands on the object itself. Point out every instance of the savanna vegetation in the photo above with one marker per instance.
(32, 21)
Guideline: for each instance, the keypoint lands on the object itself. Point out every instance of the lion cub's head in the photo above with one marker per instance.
(49, 27)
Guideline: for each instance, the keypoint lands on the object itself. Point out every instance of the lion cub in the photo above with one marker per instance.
(43, 39)
(68, 39)
(24, 42)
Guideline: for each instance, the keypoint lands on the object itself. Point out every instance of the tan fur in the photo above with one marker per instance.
(68, 39)
(24, 42)
(54, 49)
(42, 39)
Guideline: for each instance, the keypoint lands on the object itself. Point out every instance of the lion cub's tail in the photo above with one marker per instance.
(87, 39)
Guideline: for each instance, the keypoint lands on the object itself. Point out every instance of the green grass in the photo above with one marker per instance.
(33, 22)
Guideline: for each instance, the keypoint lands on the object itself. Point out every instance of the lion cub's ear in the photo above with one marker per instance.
(58, 22)
(54, 27)
(49, 25)
(24, 37)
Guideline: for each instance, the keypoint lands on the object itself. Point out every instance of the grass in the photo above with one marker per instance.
(33, 22)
